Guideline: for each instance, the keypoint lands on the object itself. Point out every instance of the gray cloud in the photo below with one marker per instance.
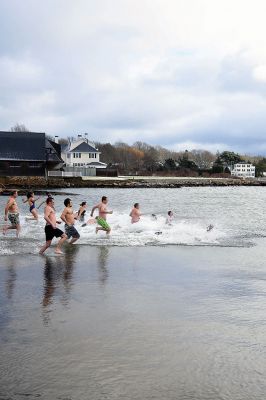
(124, 70)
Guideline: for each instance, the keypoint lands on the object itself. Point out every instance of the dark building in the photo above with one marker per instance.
(28, 154)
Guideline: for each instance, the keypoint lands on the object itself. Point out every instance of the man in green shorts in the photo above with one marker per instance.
(103, 224)
(101, 219)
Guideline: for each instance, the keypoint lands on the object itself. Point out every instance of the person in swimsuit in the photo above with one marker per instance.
(135, 214)
(169, 218)
(12, 213)
(101, 219)
(69, 217)
(51, 229)
(31, 201)
(82, 211)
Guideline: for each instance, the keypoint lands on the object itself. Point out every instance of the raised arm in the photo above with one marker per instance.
(41, 204)
(93, 209)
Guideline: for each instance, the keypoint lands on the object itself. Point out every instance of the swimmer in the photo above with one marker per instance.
(68, 217)
(51, 229)
(169, 218)
(209, 227)
(102, 209)
(12, 213)
(82, 211)
(31, 201)
(135, 214)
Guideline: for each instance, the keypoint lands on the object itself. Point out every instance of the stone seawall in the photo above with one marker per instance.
(56, 183)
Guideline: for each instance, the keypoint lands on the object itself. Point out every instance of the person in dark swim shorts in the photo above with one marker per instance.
(71, 232)
(51, 229)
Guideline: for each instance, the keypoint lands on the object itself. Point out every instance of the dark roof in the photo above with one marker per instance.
(53, 151)
(85, 148)
(27, 146)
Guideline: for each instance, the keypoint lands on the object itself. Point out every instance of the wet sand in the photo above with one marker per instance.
(134, 323)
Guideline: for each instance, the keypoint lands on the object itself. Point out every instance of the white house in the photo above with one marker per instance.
(243, 170)
(82, 153)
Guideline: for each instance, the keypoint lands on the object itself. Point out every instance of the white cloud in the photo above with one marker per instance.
(168, 72)
(259, 73)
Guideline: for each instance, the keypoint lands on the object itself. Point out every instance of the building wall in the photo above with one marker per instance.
(82, 159)
(22, 168)
(244, 170)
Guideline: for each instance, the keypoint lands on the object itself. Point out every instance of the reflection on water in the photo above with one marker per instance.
(58, 280)
(102, 264)
(11, 277)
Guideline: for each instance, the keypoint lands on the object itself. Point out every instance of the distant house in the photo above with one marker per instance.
(243, 170)
(27, 154)
(82, 153)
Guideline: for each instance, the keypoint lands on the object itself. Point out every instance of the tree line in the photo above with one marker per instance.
(141, 158)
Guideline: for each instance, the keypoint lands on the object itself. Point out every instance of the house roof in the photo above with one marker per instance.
(97, 164)
(53, 151)
(84, 148)
(26, 146)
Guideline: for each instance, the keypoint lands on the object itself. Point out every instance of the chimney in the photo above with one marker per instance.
(56, 139)
(86, 137)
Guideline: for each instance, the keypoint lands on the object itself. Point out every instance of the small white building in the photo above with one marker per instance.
(82, 153)
(243, 170)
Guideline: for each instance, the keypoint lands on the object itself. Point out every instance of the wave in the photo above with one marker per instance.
(149, 231)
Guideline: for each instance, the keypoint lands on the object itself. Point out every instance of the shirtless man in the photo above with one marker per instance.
(50, 229)
(12, 212)
(69, 217)
(135, 214)
(101, 219)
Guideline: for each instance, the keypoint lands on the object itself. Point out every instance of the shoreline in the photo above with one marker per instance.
(41, 184)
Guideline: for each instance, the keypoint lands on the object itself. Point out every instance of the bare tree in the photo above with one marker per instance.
(203, 158)
(19, 128)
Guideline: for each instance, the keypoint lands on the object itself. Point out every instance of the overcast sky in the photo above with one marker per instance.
(184, 74)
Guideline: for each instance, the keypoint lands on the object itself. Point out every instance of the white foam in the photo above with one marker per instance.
(143, 233)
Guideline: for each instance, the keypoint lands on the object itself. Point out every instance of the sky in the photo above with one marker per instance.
(180, 74)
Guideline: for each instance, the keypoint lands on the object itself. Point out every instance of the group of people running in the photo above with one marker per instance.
(68, 216)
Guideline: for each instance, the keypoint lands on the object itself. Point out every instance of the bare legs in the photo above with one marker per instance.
(58, 246)
(17, 227)
(73, 240)
(103, 229)
(35, 214)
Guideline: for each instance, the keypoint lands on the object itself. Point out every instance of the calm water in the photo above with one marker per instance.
(179, 315)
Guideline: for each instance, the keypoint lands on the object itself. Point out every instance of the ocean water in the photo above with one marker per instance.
(236, 214)
(136, 315)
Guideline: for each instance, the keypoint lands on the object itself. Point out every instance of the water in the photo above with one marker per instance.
(236, 214)
(179, 315)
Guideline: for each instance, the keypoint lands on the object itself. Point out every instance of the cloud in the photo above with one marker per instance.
(167, 72)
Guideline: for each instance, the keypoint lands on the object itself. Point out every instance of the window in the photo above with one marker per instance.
(35, 165)
(77, 155)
